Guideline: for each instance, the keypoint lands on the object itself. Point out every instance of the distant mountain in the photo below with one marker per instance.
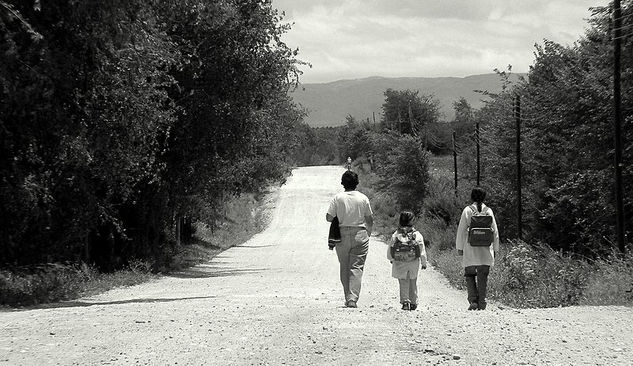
(329, 103)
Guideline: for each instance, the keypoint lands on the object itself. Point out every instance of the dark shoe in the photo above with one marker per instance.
(406, 305)
(351, 304)
(414, 306)
(481, 306)
(473, 306)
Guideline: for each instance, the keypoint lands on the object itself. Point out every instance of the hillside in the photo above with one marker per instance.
(329, 103)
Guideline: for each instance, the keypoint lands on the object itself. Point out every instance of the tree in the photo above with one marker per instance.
(566, 109)
(79, 132)
(407, 112)
(121, 119)
(463, 111)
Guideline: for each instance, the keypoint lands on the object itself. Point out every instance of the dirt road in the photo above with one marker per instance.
(277, 300)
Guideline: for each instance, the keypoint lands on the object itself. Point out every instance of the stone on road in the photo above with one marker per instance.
(277, 300)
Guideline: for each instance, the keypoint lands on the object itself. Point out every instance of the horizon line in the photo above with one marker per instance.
(403, 77)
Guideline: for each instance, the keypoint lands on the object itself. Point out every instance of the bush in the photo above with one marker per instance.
(610, 282)
(537, 276)
(44, 283)
(386, 210)
(403, 168)
(524, 275)
(448, 263)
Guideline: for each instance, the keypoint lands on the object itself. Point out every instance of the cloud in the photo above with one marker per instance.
(354, 38)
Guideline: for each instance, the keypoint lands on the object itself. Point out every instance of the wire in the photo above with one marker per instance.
(628, 26)
(624, 36)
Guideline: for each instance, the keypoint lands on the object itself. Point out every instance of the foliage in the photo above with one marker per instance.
(408, 112)
(566, 143)
(245, 215)
(124, 122)
(318, 146)
(401, 162)
(524, 275)
(610, 281)
(37, 284)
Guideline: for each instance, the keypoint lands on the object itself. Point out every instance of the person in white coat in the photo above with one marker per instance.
(476, 260)
(406, 271)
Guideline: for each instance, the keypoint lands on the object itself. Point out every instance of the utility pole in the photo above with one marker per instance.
(373, 114)
(455, 162)
(617, 120)
(478, 152)
(413, 132)
(426, 136)
(517, 115)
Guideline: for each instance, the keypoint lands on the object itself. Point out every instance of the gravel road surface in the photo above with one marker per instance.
(277, 300)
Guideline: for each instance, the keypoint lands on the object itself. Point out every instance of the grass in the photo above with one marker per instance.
(525, 275)
(32, 285)
(246, 215)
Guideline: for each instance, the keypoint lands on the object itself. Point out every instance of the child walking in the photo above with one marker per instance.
(407, 254)
(478, 246)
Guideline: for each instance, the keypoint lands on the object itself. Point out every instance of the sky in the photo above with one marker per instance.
(351, 39)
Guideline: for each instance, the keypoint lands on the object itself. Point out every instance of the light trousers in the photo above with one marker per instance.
(408, 290)
(352, 252)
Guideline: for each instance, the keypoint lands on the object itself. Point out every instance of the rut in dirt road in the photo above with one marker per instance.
(277, 299)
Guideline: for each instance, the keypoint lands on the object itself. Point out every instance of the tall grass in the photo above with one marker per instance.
(525, 275)
(245, 215)
(53, 282)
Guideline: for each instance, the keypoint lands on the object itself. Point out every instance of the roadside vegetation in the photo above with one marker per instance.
(568, 253)
(129, 130)
(246, 215)
(138, 137)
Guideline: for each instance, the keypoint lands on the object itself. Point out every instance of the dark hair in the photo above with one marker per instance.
(406, 218)
(349, 180)
(478, 195)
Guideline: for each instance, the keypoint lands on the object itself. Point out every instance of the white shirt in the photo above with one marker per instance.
(350, 207)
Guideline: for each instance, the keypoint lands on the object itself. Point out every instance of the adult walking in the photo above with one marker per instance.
(355, 218)
(477, 241)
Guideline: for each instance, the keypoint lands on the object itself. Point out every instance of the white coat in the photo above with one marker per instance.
(476, 256)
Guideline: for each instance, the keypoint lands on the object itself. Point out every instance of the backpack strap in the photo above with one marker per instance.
(411, 234)
(475, 211)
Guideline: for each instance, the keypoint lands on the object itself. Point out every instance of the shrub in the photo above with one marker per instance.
(447, 263)
(525, 275)
(403, 169)
(610, 282)
(43, 283)
(537, 276)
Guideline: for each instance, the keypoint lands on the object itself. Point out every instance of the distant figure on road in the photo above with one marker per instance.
(348, 164)
(355, 218)
(477, 241)
(407, 255)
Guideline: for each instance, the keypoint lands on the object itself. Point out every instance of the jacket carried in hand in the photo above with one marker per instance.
(404, 270)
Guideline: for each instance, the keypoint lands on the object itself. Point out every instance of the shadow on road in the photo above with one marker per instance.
(72, 304)
(253, 246)
(206, 272)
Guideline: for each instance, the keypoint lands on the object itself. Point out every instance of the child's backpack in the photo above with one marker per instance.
(480, 232)
(407, 249)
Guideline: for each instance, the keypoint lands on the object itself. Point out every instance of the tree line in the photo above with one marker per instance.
(124, 121)
(566, 143)
(567, 139)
